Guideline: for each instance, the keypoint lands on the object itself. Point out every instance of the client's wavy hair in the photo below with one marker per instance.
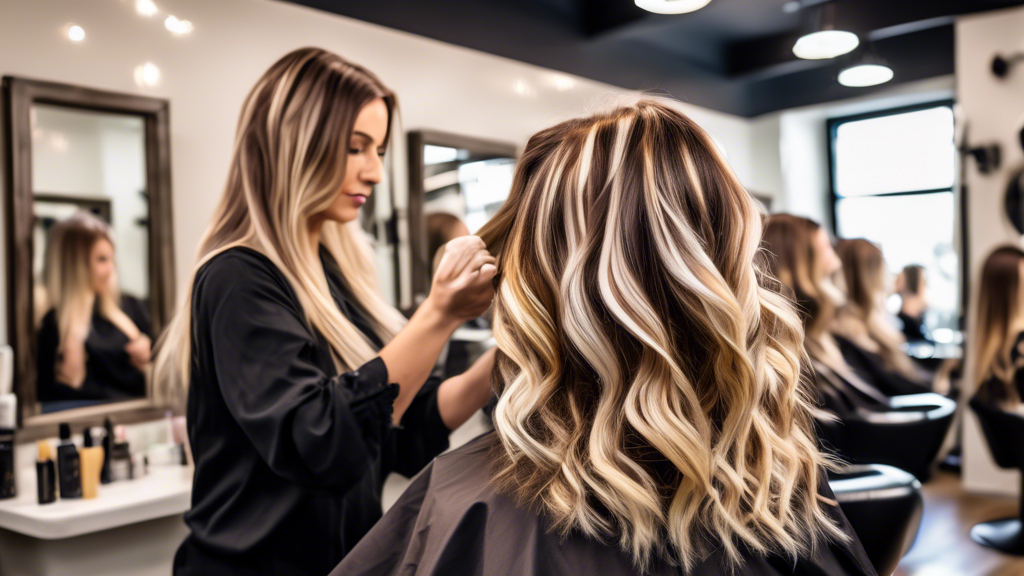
(1000, 318)
(864, 316)
(650, 374)
(288, 166)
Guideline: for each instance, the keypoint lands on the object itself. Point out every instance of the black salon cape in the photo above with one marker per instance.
(871, 367)
(451, 522)
(290, 456)
(109, 372)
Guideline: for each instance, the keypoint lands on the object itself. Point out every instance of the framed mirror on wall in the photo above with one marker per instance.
(456, 183)
(90, 280)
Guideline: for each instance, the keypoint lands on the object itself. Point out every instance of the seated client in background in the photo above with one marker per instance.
(912, 286)
(94, 343)
(652, 411)
(999, 330)
(867, 338)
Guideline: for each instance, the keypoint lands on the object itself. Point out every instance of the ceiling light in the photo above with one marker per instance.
(75, 33)
(145, 8)
(147, 75)
(672, 6)
(791, 7)
(860, 75)
(825, 44)
(821, 40)
(176, 26)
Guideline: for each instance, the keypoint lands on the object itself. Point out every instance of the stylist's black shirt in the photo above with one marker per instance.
(290, 455)
(109, 372)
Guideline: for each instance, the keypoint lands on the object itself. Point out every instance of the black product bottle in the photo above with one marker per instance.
(7, 463)
(8, 417)
(108, 443)
(68, 465)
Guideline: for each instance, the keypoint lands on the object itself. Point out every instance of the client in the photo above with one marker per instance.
(999, 330)
(653, 414)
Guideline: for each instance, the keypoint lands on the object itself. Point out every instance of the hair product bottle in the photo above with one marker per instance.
(68, 465)
(46, 474)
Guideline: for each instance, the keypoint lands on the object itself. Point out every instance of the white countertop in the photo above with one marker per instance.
(163, 492)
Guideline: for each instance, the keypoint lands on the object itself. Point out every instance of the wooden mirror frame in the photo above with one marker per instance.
(421, 261)
(19, 95)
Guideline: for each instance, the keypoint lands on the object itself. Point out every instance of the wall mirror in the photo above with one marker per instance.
(456, 183)
(89, 250)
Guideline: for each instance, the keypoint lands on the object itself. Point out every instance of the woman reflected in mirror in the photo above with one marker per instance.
(94, 342)
(999, 330)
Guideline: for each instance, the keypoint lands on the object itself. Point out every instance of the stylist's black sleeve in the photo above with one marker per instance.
(311, 429)
(422, 434)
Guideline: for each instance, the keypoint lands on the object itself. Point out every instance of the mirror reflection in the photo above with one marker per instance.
(90, 245)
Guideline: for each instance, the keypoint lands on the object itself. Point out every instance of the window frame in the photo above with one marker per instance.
(955, 188)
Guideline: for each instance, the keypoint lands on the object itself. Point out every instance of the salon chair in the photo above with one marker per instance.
(902, 431)
(884, 507)
(1004, 433)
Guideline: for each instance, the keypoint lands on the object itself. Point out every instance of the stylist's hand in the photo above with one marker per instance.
(462, 288)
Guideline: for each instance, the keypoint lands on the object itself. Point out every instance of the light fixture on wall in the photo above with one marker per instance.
(868, 69)
(74, 32)
(147, 75)
(146, 8)
(672, 6)
(824, 41)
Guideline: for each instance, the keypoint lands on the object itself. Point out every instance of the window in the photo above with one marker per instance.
(892, 183)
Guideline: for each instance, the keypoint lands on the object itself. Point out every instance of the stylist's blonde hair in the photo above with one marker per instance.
(288, 165)
(68, 280)
(650, 374)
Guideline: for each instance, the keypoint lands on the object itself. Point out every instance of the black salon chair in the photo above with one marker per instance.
(902, 431)
(884, 507)
(1004, 433)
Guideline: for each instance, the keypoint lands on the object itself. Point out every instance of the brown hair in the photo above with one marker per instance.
(863, 316)
(649, 372)
(997, 323)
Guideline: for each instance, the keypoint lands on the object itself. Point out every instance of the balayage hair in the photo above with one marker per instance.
(68, 280)
(650, 374)
(795, 262)
(1000, 317)
(863, 317)
(288, 166)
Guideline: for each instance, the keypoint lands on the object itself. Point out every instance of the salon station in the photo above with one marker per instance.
(226, 351)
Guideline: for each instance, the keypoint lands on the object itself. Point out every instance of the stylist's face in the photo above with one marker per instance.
(364, 164)
(101, 265)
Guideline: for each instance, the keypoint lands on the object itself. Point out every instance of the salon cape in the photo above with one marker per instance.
(451, 521)
(290, 455)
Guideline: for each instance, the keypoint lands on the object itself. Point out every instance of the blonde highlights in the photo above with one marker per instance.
(650, 374)
(999, 319)
(288, 166)
(68, 280)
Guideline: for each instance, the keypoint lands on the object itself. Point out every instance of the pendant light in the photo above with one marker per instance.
(824, 41)
(868, 69)
(672, 6)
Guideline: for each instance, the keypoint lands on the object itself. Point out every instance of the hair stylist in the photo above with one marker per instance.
(304, 387)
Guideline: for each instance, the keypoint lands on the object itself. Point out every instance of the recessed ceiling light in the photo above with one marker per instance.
(176, 26)
(145, 7)
(147, 75)
(75, 33)
(865, 75)
(672, 6)
(825, 44)
(790, 7)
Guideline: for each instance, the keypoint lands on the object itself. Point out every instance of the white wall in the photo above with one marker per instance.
(206, 76)
(992, 108)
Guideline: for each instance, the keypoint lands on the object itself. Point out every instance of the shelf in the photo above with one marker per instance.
(163, 492)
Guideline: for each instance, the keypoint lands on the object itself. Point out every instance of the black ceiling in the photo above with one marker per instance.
(734, 55)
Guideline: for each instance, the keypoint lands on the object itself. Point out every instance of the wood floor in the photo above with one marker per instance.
(944, 546)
